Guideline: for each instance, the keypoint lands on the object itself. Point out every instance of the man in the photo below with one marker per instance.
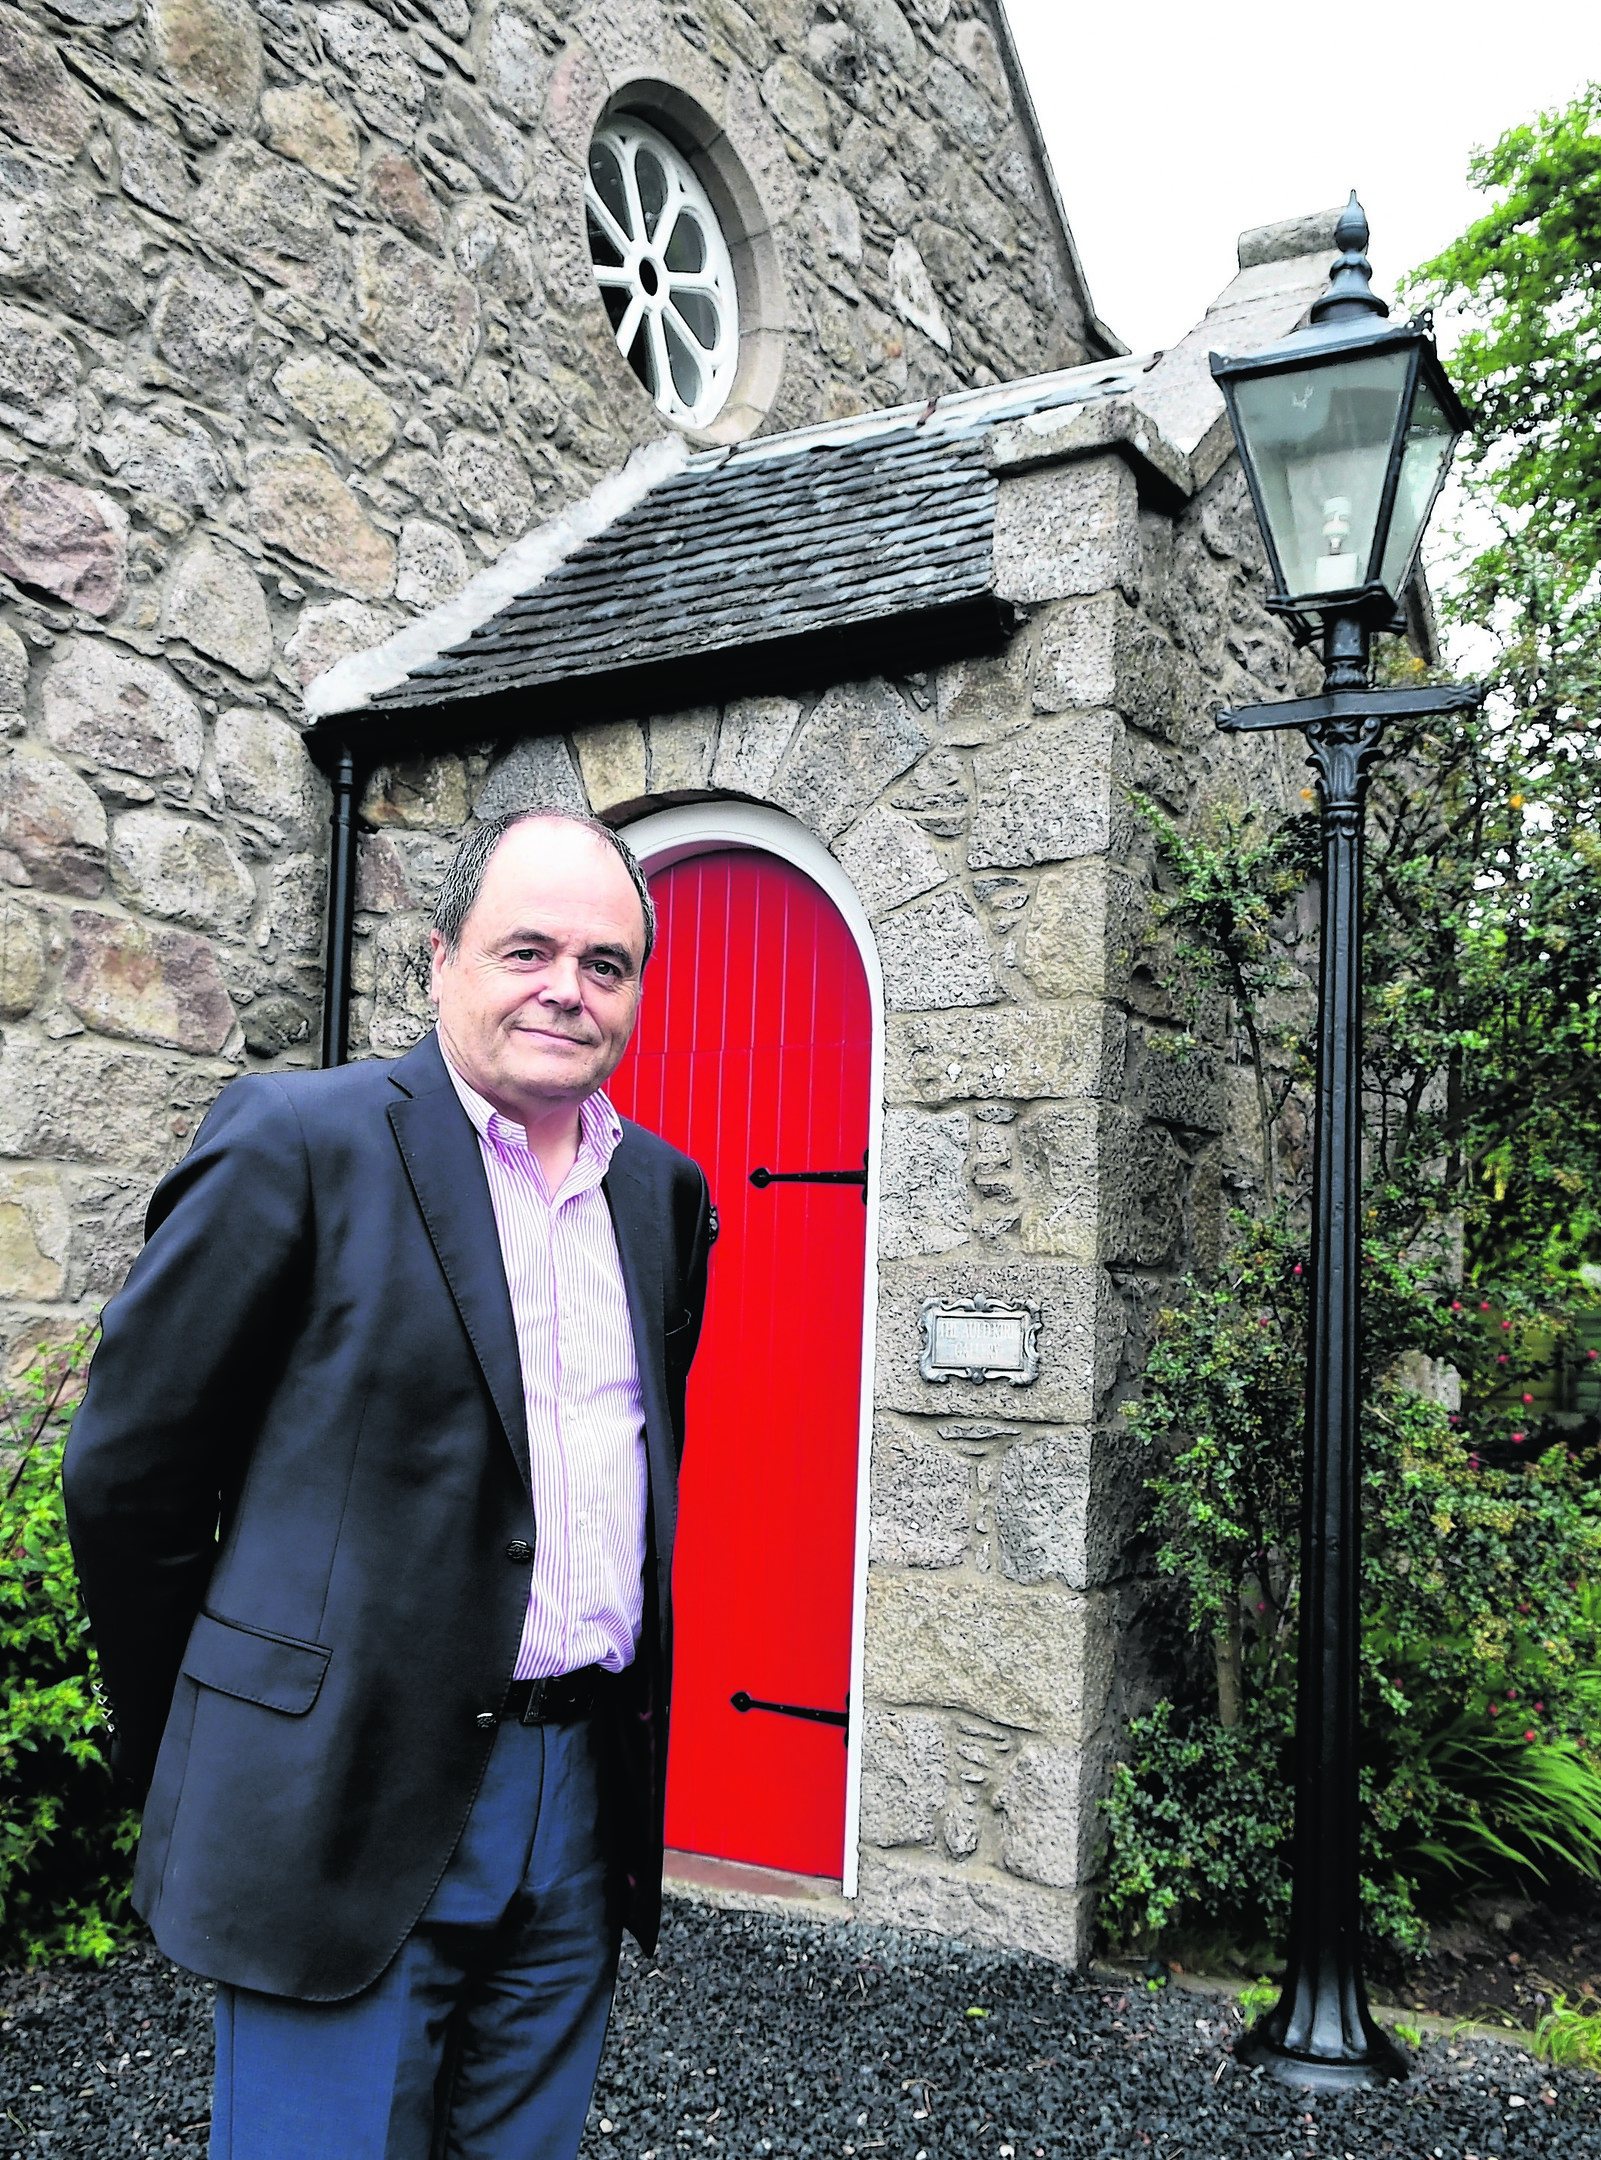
(373, 1496)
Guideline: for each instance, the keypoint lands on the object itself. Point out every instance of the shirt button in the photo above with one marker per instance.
(519, 1549)
(486, 1721)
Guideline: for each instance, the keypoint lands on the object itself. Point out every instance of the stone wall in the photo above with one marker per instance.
(1050, 1129)
(297, 331)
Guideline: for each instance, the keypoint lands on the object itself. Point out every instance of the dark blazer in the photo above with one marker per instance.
(293, 1488)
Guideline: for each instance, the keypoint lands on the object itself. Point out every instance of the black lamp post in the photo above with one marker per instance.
(1345, 431)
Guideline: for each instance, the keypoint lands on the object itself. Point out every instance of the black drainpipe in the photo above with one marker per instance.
(341, 913)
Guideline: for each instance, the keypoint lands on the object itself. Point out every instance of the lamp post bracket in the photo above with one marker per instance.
(1334, 706)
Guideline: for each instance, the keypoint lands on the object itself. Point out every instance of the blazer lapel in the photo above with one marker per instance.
(440, 1151)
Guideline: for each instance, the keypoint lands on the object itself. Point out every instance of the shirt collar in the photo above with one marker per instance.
(599, 1127)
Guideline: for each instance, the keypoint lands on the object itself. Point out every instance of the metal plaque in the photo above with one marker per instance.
(980, 1338)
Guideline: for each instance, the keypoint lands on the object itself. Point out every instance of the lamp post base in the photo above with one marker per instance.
(1376, 2060)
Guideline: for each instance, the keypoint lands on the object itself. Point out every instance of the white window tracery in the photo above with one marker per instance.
(663, 269)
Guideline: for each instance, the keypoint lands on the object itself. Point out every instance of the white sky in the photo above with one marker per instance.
(1174, 125)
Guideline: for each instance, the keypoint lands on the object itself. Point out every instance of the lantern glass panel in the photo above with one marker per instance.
(1430, 440)
(1320, 438)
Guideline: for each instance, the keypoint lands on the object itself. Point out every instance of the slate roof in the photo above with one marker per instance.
(872, 536)
(747, 552)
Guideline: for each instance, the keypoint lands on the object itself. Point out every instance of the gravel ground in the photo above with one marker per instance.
(750, 2037)
(106, 2063)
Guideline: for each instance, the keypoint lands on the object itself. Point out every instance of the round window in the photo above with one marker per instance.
(663, 269)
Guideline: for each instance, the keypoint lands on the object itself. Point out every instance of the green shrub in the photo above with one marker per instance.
(65, 1836)
(1480, 1652)
(1481, 1632)
(1200, 1818)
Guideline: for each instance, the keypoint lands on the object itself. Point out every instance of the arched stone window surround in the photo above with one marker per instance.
(668, 836)
(747, 229)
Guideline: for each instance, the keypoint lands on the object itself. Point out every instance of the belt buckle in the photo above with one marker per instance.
(534, 1714)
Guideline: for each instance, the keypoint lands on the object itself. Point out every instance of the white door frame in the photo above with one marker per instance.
(669, 836)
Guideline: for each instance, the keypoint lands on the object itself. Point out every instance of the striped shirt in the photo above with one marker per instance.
(586, 1412)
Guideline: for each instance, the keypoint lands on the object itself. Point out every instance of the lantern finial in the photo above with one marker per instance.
(1350, 294)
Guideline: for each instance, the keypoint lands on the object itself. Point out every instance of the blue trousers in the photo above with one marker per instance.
(481, 2039)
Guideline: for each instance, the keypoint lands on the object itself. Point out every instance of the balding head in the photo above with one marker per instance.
(539, 944)
(472, 857)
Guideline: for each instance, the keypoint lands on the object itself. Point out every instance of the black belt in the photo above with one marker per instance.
(557, 1699)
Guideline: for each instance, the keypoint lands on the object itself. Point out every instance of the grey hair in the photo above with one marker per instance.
(464, 879)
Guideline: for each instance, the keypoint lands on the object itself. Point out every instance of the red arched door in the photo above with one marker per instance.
(753, 1054)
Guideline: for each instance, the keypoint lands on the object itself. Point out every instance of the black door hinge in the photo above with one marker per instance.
(762, 1178)
(743, 1702)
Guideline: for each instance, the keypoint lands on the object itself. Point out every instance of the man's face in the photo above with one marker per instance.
(538, 1001)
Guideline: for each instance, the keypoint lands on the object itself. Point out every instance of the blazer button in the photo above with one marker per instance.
(486, 1721)
(519, 1549)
